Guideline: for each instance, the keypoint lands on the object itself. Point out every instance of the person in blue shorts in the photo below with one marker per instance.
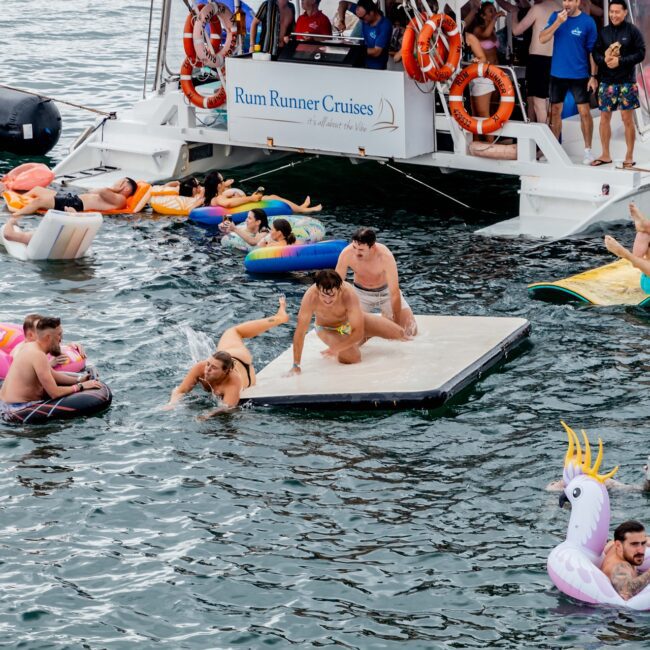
(618, 50)
(574, 35)
(639, 256)
(377, 31)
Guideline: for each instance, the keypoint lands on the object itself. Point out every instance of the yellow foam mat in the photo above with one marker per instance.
(617, 283)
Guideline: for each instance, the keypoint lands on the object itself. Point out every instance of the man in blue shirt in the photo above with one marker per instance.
(377, 31)
(574, 35)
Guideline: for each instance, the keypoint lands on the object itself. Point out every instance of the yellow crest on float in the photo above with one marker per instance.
(574, 456)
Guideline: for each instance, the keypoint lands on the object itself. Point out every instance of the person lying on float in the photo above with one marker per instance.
(230, 369)
(31, 378)
(340, 322)
(639, 256)
(101, 199)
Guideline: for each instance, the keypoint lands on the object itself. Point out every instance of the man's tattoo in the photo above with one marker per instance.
(626, 585)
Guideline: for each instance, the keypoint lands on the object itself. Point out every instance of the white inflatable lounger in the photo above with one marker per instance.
(59, 236)
(448, 353)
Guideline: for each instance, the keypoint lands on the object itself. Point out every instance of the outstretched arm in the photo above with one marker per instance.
(343, 264)
(303, 320)
(392, 279)
(187, 385)
(235, 201)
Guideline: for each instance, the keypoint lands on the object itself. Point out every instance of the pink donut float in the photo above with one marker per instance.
(10, 336)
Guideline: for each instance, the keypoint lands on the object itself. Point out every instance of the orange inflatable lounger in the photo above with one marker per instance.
(134, 203)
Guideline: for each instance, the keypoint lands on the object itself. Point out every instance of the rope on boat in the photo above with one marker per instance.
(291, 164)
(146, 63)
(447, 196)
(112, 115)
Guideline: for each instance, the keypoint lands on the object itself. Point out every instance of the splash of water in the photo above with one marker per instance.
(199, 344)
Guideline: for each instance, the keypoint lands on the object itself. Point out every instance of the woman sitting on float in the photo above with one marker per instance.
(218, 192)
(280, 234)
(253, 230)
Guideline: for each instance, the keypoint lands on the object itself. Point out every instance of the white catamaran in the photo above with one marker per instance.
(314, 100)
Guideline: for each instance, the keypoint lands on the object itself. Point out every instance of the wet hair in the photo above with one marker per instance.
(627, 527)
(328, 280)
(226, 359)
(132, 185)
(260, 215)
(47, 323)
(365, 236)
(30, 322)
(619, 2)
(187, 187)
(211, 184)
(368, 6)
(285, 228)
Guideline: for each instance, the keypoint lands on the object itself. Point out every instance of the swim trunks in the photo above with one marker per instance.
(373, 300)
(68, 200)
(344, 330)
(247, 368)
(618, 97)
(645, 283)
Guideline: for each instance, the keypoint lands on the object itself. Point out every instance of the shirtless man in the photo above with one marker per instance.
(230, 369)
(30, 377)
(340, 323)
(105, 198)
(376, 281)
(624, 556)
(639, 256)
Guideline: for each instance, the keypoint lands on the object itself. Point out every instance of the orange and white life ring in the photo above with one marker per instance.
(211, 52)
(188, 35)
(202, 101)
(409, 49)
(501, 80)
(430, 66)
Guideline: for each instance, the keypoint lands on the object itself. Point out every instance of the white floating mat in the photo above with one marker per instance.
(448, 353)
(59, 236)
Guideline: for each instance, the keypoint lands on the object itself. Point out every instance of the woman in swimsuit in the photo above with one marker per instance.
(230, 369)
(253, 230)
(280, 235)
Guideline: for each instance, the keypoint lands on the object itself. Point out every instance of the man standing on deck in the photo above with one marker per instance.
(313, 20)
(618, 49)
(340, 323)
(574, 35)
(377, 31)
(376, 281)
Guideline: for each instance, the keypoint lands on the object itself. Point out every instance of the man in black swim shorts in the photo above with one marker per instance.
(65, 200)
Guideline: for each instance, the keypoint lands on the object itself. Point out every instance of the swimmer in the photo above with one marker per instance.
(639, 256)
(222, 194)
(376, 280)
(230, 369)
(280, 235)
(340, 322)
(624, 556)
(30, 377)
(105, 198)
(29, 330)
(253, 230)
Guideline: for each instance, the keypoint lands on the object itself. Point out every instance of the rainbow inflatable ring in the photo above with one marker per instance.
(212, 216)
(298, 257)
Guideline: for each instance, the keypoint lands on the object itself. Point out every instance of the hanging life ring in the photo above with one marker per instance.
(211, 53)
(202, 101)
(482, 125)
(410, 50)
(430, 66)
(188, 34)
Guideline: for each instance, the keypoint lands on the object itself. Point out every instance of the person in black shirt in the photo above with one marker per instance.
(618, 49)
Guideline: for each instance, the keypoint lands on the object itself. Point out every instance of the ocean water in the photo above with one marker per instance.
(387, 529)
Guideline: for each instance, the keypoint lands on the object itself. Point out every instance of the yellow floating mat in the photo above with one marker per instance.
(173, 205)
(617, 283)
(134, 203)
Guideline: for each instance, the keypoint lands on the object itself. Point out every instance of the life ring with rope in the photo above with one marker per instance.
(410, 50)
(211, 52)
(429, 66)
(188, 34)
(503, 85)
(189, 90)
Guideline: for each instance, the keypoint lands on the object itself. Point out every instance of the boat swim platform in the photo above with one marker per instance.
(448, 354)
(617, 283)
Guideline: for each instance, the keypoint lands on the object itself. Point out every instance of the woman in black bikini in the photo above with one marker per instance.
(230, 369)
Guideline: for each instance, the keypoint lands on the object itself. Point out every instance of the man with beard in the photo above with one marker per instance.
(30, 377)
(624, 556)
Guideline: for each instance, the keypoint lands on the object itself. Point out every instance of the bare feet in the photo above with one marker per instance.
(307, 208)
(614, 247)
(640, 222)
(282, 315)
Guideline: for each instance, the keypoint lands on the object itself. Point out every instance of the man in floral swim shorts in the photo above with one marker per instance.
(618, 49)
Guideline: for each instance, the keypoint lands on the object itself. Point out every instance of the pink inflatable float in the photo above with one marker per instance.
(28, 176)
(574, 565)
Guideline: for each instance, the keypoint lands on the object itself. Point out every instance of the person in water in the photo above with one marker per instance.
(253, 230)
(340, 322)
(376, 280)
(639, 256)
(624, 556)
(219, 192)
(31, 378)
(280, 234)
(105, 198)
(230, 369)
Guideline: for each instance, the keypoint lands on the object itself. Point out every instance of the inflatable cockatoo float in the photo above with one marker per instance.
(574, 565)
